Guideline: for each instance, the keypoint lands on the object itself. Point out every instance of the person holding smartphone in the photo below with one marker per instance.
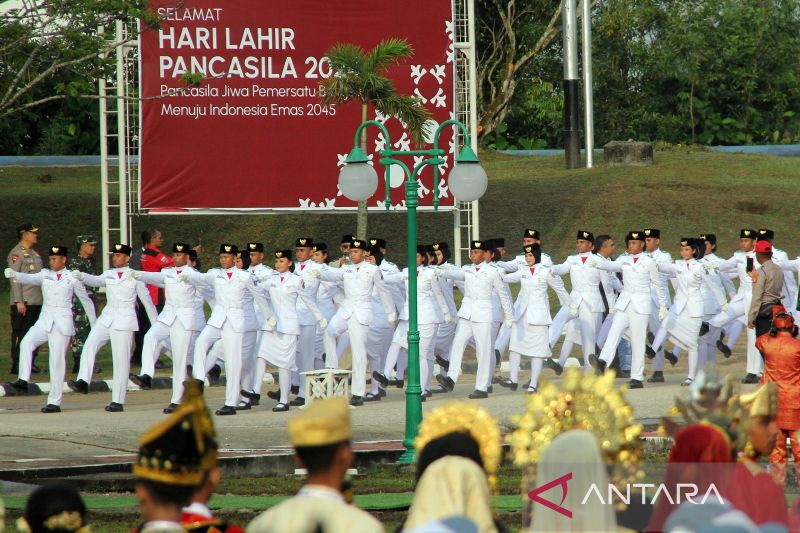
(767, 289)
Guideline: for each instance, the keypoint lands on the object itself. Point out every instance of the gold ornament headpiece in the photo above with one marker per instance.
(467, 418)
(592, 403)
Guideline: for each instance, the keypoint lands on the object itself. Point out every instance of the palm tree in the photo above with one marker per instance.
(359, 75)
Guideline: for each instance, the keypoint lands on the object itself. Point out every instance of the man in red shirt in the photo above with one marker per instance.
(153, 260)
(781, 351)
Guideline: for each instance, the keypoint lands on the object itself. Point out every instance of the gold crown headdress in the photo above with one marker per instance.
(468, 418)
(592, 403)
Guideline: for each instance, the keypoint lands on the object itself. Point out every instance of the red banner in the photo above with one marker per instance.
(254, 134)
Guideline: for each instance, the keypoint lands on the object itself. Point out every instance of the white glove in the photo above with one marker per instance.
(129, 274)
(76, 274)
(271, 323)
(612, 310)
(592, 263)
(10, 274)
(323, 323)
(662, 313)
(509, 322)
(448, 318)
(573, 311)
(439, 273)
(724, 307)
(313, 273)
(392, 317)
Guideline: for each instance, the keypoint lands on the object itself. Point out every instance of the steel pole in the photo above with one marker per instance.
(588, 99)
(572, 141)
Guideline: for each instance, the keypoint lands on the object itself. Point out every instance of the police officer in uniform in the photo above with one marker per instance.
(85, 262)
(26, 300)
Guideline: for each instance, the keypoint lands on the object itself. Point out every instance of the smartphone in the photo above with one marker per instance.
(750, 264)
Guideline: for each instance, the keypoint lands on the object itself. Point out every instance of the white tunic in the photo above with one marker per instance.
(57, 290)
(481, 283)
(181, 298)
(358, 282)
(121, 293)
(639, 277)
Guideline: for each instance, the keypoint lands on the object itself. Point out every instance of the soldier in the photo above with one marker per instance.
(26, 302)
(358, 279)
(55, 325)
(180, 322)
(633, 307)
(475, 317)
(85, 262)
(781, 258)
(233, 320)
(116, 323)
(321, 437)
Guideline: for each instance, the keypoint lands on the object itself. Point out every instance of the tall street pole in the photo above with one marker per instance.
(588, 102)
(572, 141)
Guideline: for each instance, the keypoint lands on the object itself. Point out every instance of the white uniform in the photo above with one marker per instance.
(530, 333)
(381, 331)
(355, 315)
(432, 310)
(687, 312)
(278, 345)
(475, 317)
(661, 258)
(633, 307)
(180, 321)
(740, 305)
(232, 319)
(306, 340)
(586, 296)
(116, 323)
(54, 326)
(446, 330)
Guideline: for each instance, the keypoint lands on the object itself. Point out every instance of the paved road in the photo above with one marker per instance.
(84, 429)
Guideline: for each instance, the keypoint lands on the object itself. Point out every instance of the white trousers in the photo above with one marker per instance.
(379, 341)
(358, 349)
(306, 354)
(444, 339)
(121, 343)
(182, 342)
(57, 346)
(559, 321)
(635, 325)
(737, 310)
(233, 351)
(156, 337)
(250, 344)
(482, 333)
(204, 355)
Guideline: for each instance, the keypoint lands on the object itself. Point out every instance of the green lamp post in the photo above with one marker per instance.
(358, 181)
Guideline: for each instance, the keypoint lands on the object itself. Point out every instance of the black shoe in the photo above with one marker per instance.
(20, 386)
(507, 383)
(624, 374)
(671, 357)
(225, 410)
(78, 386)
(657, 377)
(280, 408)
(635, 384)
(478, 395)
(369, 397)
(252, 396)
(170, 408)
(530, 390)
(298, 402)
(397, 383)
(243, 406)
(554, 366)
(439, 390)
(497, 357)
(382, 392)
(274, 395)
(356, 401)
(442, 362)
(496, 379)
(50, 408)
(490, 389)
(159, 365)
(423, 398)
(722, 347)
(649, 351)
(380, 378)
(598, 364)
(750, 378)
(446, 382)
(427, 394)
(295, 390)
(114, 407)
(144, 381)
(35, 369)
(213, 375)
(650, 337)
(704, 328)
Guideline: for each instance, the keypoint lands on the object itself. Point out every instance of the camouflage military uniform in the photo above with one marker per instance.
(88, 265)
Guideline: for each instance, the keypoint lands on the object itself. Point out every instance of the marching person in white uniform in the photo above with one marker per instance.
(358, 278)
(328, 290)
(446, 330)
(180, 322)
(278, 345)
(707, 349)
(116, 323)
(481, 282)
(54, 326)
(232, 319)
(586, 297)
(633, 306)
(307, 338)
(652, 243)
(530, 335)
(432, 310)
(685, 317)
